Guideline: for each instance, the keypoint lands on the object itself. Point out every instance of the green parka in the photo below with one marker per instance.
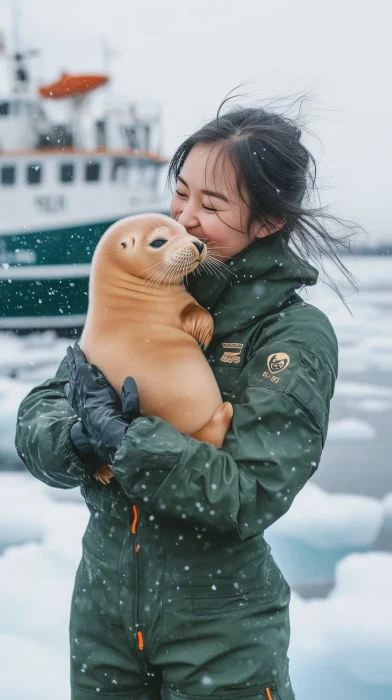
(198, 513)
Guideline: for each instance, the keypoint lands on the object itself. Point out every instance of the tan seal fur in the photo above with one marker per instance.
(141, 322)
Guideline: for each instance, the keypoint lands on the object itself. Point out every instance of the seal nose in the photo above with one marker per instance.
(199, 245)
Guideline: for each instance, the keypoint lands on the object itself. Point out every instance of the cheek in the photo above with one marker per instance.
(219, 232)
(213, 227)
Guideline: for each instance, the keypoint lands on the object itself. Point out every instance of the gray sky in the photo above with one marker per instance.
(187, 54)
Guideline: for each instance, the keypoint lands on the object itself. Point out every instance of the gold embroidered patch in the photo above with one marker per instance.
(278, 362)
(232, 357)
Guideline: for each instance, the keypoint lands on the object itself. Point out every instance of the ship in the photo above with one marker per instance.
(63, 182)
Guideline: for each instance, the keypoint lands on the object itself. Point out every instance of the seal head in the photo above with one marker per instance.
(154, 248)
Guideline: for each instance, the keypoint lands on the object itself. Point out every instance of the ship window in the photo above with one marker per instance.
(143, 171)
(4, 109)
(92, 171)
(150, 173)
(133, 172)
(120, 170)
(67, 172)
(8, 175)
(34, 174)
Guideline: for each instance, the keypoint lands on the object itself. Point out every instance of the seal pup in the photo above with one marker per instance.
(141, 322)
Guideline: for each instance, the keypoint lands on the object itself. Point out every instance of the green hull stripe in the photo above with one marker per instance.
(33, 298)
(53, 290)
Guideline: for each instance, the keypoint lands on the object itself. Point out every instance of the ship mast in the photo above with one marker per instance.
(108, 53)
(20, 78)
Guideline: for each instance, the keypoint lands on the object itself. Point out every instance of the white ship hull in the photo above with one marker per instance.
(53, 204)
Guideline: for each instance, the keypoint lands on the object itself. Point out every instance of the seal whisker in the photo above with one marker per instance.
(151, 279)
(157, 274)
(214, 248)
(210, 265)
(165, 275)
(151, 267)
(218, 262)
(156, 280)
(172, 272)
(166, 272)
(161, 265)
(214, 269)
(182, 269)
(157, 224)
(175, 273)
(210, 269)
(219, 265)
(211, 244)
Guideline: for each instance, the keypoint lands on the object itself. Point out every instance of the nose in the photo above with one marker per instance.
(199, 245)
(187, 215)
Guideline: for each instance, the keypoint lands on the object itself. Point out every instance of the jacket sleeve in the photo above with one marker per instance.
(273, 447)
(42, 439)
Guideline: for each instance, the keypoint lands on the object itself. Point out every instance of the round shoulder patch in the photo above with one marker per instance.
(275, 366)
(277, 362)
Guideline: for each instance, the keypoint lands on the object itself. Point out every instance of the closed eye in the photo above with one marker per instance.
(182, 194)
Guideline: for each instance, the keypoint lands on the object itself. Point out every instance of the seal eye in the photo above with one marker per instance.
(158, 243)
(124, 245)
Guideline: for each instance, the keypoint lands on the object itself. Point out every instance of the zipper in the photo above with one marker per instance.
(139, 632)
(134, 531)
(268, 692)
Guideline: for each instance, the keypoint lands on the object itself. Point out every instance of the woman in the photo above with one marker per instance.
(177, 595)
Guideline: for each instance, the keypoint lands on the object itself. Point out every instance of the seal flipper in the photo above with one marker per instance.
(214, 432)
(198, 322)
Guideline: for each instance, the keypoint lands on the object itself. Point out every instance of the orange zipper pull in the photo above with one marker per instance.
(135, 519)
(269, 696)
(140, 641)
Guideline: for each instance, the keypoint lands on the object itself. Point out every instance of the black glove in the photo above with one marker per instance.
(129, 409)
(98, 406)
(80, 439)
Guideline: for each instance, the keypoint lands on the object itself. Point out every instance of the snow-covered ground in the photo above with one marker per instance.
(341, 644)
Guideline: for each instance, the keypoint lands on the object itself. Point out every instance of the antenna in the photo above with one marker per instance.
(20, 75)
(108, 53)
(15, 26)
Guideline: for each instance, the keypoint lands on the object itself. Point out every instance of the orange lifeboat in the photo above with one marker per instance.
(72, 86)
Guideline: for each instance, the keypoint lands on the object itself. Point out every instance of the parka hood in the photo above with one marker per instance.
(253, 283)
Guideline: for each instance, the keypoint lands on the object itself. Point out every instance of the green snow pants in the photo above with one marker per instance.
(161, 610)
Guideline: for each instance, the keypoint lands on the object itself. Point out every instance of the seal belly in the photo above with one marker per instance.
(184, 392)
(173, 377)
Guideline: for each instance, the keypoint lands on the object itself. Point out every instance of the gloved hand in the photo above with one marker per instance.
(98, 406)
(80, 438)
(129, 410)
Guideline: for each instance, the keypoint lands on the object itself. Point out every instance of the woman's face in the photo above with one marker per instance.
(207, 202)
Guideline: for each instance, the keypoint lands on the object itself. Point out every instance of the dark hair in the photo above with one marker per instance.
(278, 174)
